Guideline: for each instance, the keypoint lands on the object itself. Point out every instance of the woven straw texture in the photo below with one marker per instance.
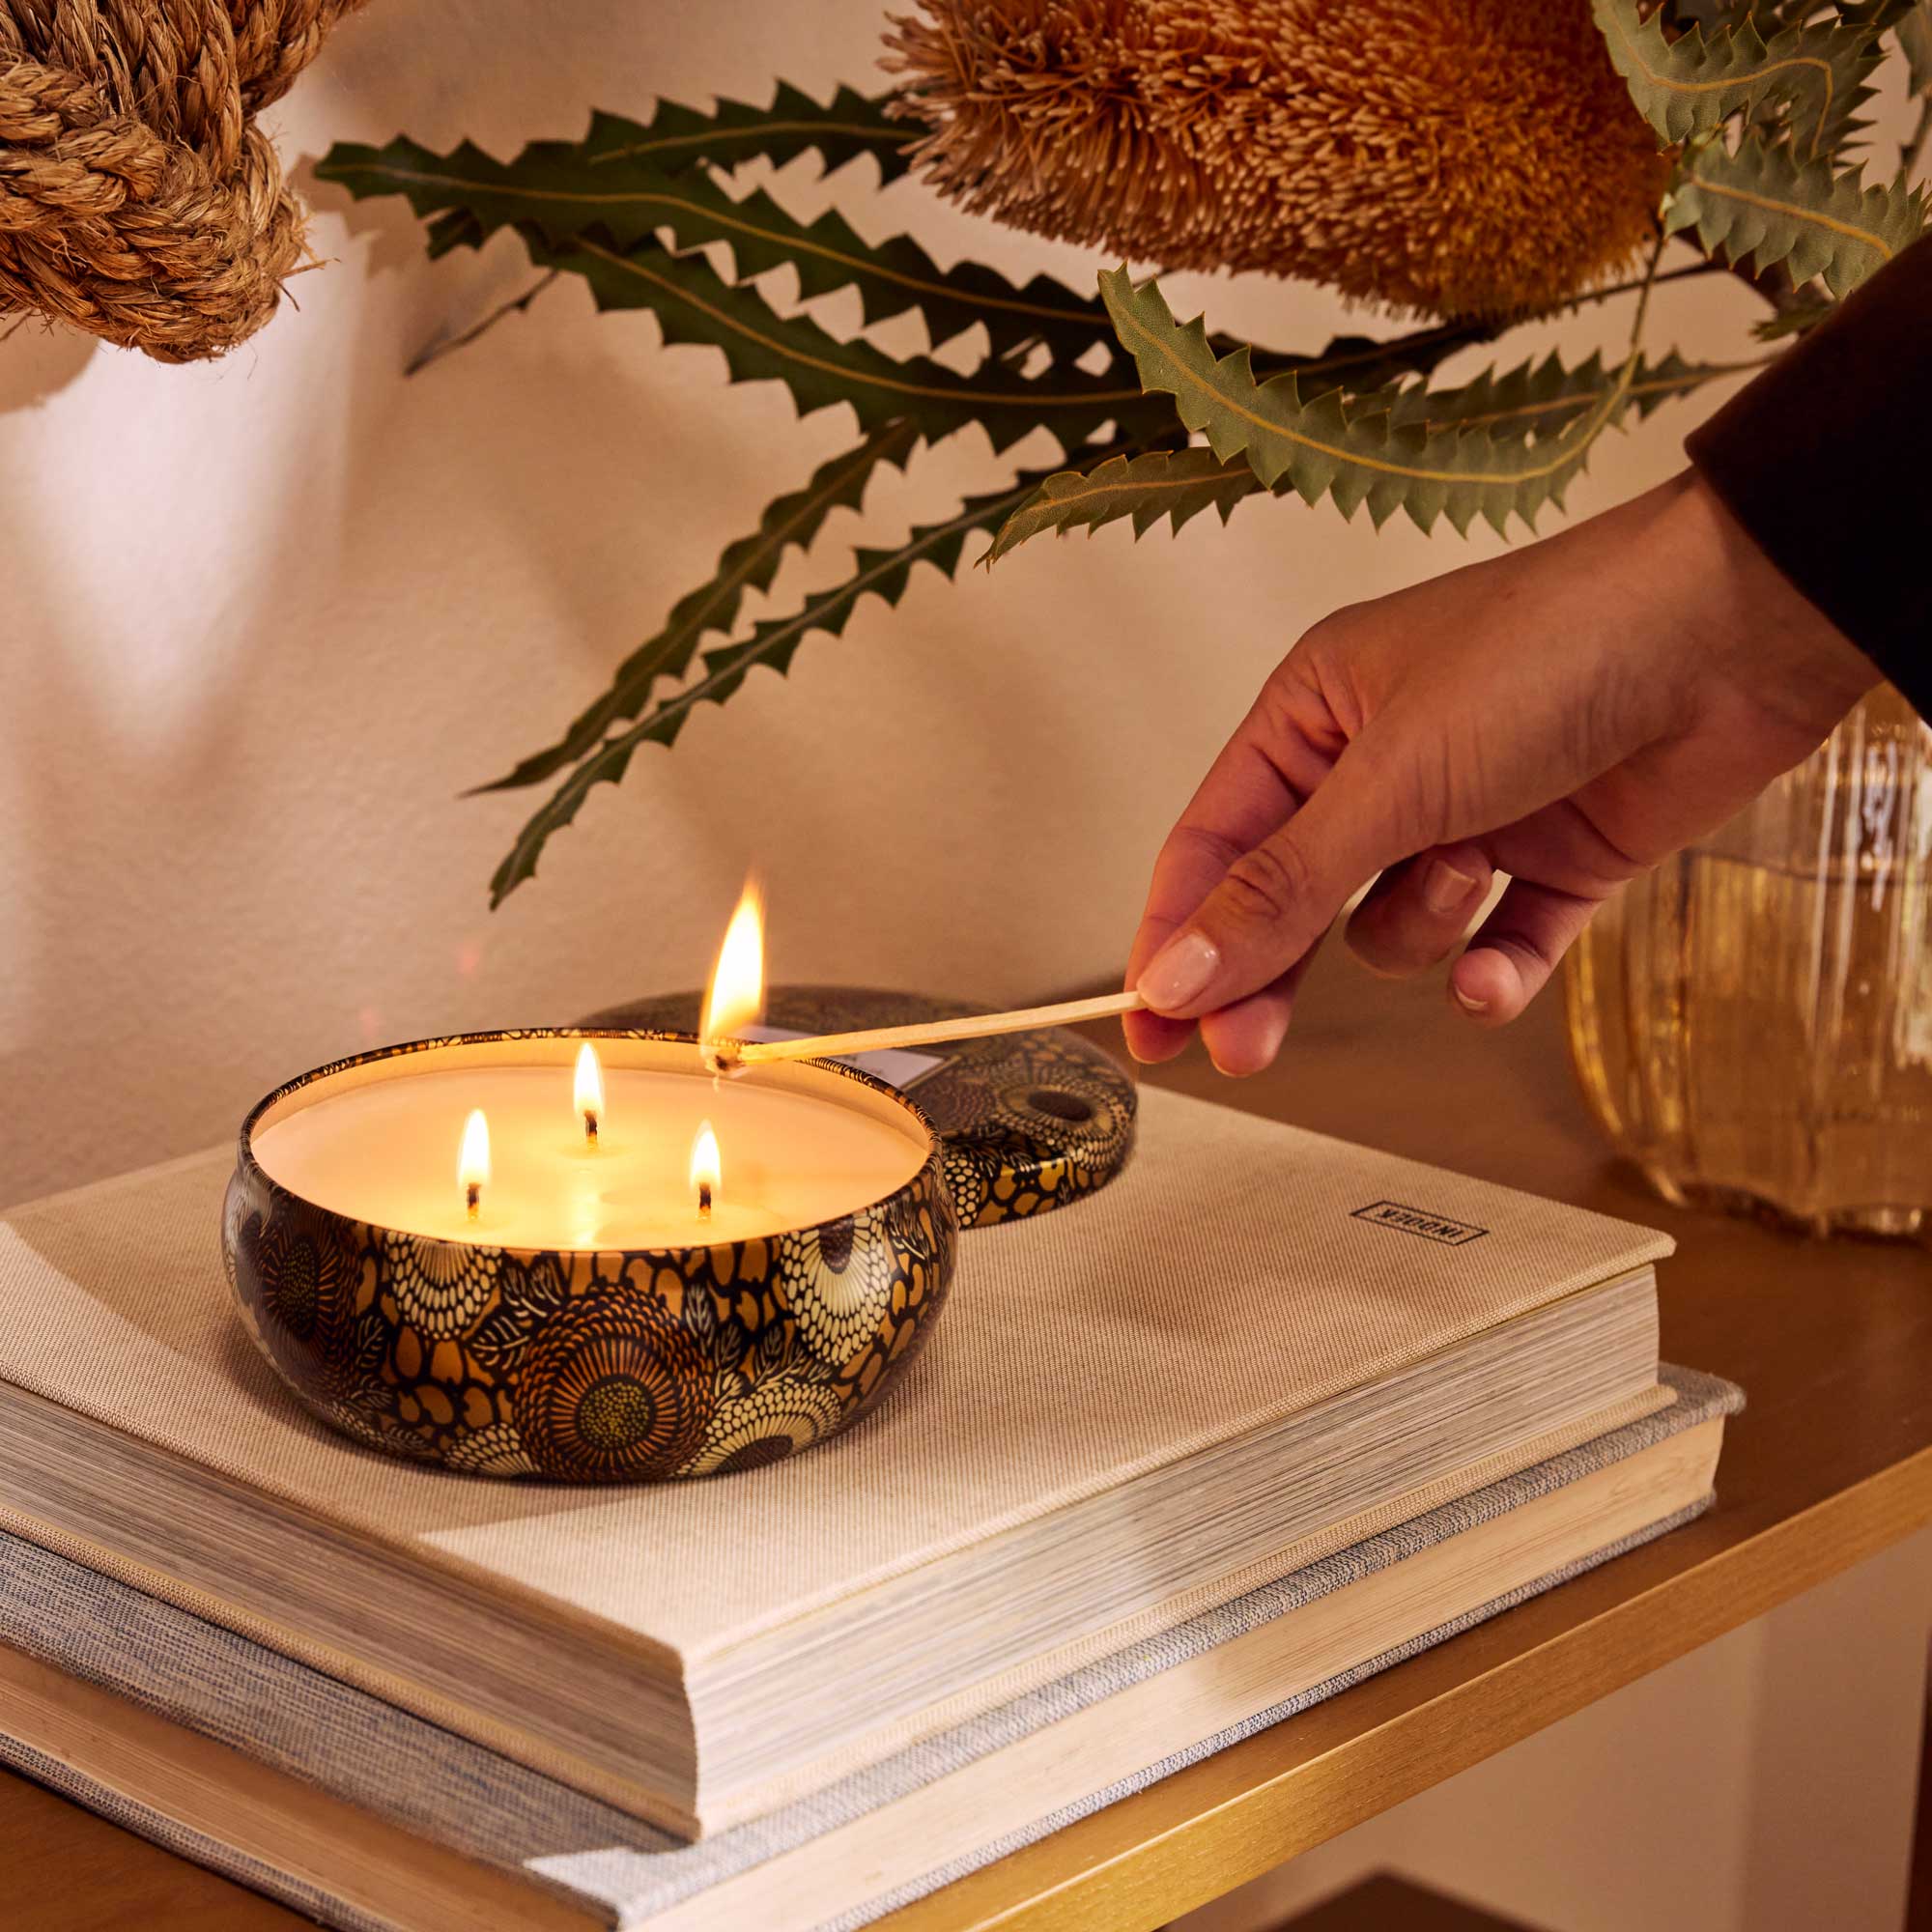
(138, 198)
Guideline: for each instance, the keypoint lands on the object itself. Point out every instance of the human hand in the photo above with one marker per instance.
(1568, 713)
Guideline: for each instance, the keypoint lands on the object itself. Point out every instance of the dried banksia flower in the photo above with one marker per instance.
(1454, 157)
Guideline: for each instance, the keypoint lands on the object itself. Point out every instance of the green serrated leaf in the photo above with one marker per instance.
(554, 188)
(748, 564)
(675, 140)
(1763, 204)
(1545, 399)
(1180, 484)
(1358, 362)
(455, 228)
(773, 642)
(1798, 320)
(565, 189)
(1541, 400)
(1361, 455)
(1692, 85)
(1880, 15)
(734, 131)
(692, 305)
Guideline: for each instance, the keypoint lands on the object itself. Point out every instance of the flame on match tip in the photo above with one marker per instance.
(736, 995)
(707, 1168)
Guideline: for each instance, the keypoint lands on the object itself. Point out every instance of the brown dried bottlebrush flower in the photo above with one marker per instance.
(1453, 157)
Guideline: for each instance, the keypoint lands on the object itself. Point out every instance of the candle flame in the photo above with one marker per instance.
(473, 1164)
(737, 996)
(588, 1089)
(707, 1172)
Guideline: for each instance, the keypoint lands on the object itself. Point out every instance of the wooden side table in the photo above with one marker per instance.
(1831, 1463)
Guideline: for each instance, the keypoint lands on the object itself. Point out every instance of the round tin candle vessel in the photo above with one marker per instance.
(589, 1364)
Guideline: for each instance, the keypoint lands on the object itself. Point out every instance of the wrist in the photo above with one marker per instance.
(1773, 639)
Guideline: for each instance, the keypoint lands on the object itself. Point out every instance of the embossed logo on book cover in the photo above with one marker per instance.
(1419, 1221)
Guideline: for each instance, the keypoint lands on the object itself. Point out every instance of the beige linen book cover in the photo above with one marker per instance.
(1239, 1273)
(341, 1825)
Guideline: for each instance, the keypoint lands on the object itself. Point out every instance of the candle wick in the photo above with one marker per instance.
(590, 1126)
(704, 1200)
(473, 1196)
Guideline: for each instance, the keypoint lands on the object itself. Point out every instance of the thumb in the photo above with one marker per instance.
(1277, 900)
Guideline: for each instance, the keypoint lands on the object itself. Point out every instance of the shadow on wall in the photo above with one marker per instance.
(268, 618)
(38, 360)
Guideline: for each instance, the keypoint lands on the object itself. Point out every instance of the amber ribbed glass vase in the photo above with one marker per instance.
(1752, 1022)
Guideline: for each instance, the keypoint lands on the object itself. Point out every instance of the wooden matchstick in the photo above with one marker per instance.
(921, 1032)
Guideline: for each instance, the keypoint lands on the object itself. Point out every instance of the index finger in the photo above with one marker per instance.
(1255, 785)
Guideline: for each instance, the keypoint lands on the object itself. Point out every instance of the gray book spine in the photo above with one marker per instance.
(446, 1787)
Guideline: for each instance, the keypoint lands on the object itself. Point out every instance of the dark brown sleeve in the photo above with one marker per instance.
(1827, 460)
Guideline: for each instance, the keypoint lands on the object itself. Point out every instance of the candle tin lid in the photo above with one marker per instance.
(1028, 1121)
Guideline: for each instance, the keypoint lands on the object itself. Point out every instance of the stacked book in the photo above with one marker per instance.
(1266, 1415)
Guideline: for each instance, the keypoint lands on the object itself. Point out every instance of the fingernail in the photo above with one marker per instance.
(1468, 1005)
(1179, 971)
(1445, 887)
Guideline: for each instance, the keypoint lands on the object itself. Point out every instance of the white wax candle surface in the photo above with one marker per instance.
(379, 1145)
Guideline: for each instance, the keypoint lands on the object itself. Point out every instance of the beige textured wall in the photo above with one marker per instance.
(262, 621)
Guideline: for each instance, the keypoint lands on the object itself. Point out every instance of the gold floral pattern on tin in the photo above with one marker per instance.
(605, 1367)
(839, 1282)
(441, 1287)
(766, 1426)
